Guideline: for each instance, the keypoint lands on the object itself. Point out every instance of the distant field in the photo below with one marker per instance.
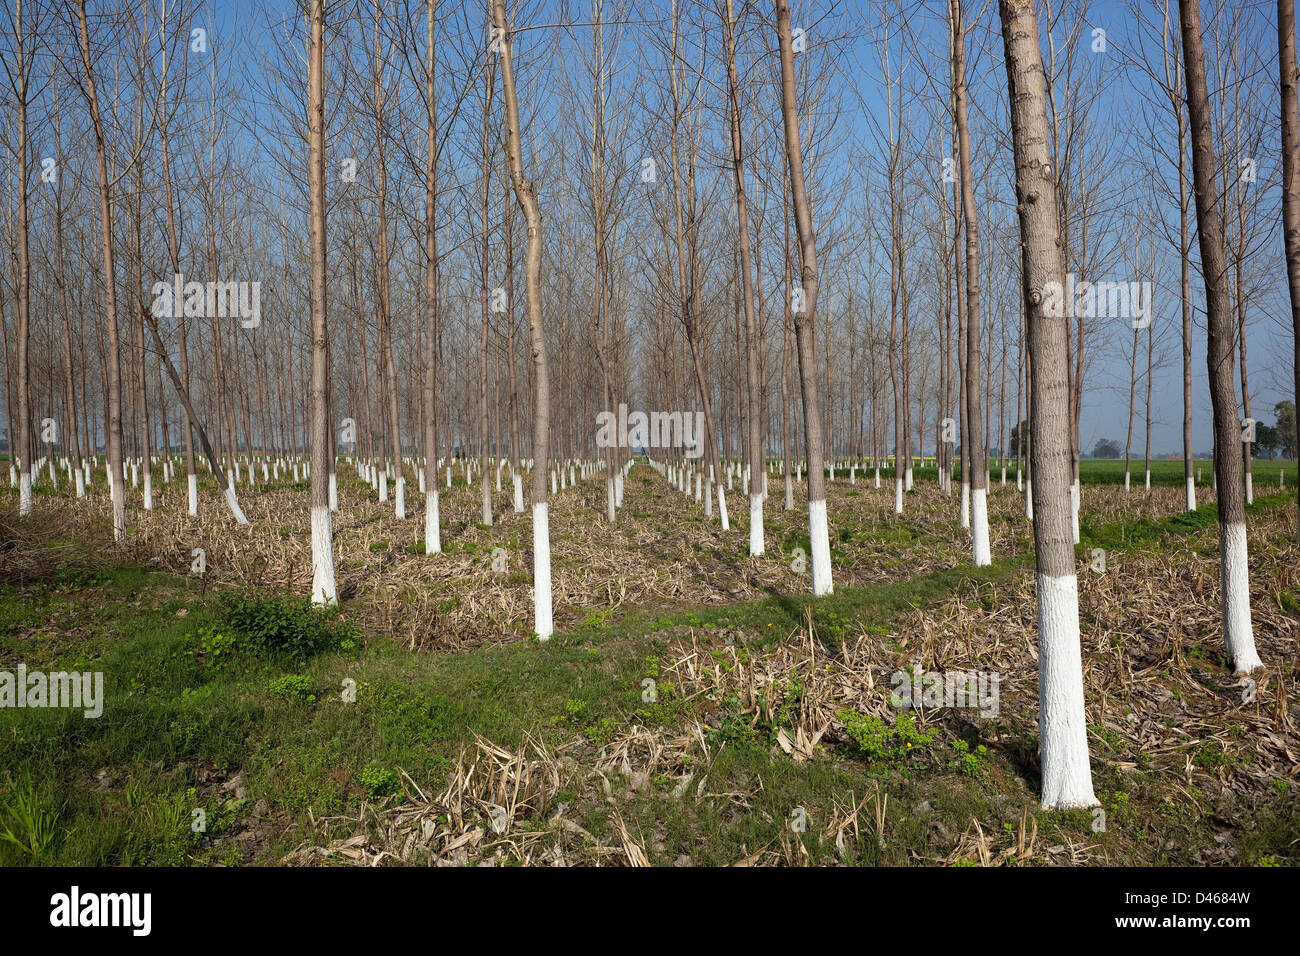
(1101, 471)
(1166, 471)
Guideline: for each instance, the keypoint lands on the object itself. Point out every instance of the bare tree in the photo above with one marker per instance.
(1234, 575)
(1290, 126)
(114, 423)
(973, 371)
(754, 442)
(805, 318)
(543, 625)
(1067, 773)
(432, 530)
(322, 443)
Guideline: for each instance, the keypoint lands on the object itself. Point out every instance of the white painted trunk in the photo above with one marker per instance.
(81, 482)
(980, 528)
(755, 525)
(1062, 719)
(543, 625)
(334, 492)
(323, 593)
(193, 483)
(1234, 578)
(898, 496)
(432, 529)
(1250, 489)
(25, 495)
(235, 510)
(819, 537)
(399, 493)
(1029, 499)
(148, 492)
(965, 504)
(722, 507)
(1191, 494)
(383, 484)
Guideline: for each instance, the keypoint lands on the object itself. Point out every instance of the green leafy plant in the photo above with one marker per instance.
(284, 626)
(216, 645)
(878, 741)
(297, 686)
(28, 822)
(379, 782)
(971, 763)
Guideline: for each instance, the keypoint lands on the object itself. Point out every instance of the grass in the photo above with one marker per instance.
(1165, 471)
(259, 718)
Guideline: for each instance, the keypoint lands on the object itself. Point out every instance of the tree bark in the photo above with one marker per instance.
(322, 446)
(543, 625)
(1290, 127)
(1234, 575)
(805, 320)
(1067, 774)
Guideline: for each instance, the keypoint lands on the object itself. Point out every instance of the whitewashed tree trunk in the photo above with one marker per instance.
(323, 592)
(806, 318)
(1233, 574)
(543, 624)
(1063, 725)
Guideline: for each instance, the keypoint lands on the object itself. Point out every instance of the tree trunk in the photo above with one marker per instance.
(113, 425)
(322, 551)
(979, 515)
(432, 529)
(1067, 774)
(1234, 576)
(543, 625)
(754, 442)
(805, 319)
(23, 318)
(1287, 69)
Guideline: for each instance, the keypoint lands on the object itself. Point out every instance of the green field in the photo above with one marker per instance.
(1165, 471)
